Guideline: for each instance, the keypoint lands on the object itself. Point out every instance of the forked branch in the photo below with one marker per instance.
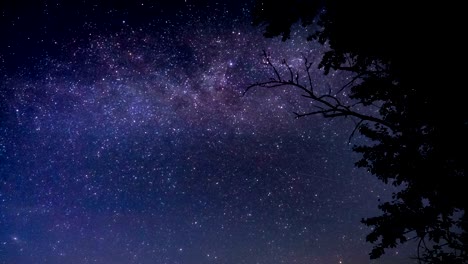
(328, 105)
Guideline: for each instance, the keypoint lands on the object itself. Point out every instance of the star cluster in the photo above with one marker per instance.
(128, 139)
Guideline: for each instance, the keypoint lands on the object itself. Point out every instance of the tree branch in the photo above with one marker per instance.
(268, 62)
(329, 106)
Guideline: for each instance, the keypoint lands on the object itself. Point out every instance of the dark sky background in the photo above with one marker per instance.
(125, 138)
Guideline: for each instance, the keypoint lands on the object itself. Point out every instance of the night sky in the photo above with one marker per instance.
(125, 138)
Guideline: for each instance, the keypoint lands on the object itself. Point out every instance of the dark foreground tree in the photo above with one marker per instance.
(403, 60)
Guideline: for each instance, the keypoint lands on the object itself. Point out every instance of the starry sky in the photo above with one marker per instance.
(125, 137)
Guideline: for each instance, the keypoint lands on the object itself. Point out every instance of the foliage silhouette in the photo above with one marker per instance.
(402, 59)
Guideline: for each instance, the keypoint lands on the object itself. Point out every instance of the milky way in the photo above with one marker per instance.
(137, 145)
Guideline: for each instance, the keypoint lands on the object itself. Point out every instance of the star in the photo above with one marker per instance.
(126, 135)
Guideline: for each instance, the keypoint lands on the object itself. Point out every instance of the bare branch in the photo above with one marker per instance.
(268, 61)
(357, 76)
(331, 97)
(307, 68)
(323, 112)
(329, 106)
(356, 127)
(289, 70)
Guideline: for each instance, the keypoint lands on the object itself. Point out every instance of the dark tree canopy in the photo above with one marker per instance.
(404, 59)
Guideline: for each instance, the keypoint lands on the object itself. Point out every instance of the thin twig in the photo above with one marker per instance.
(330, 106)
(356, 127)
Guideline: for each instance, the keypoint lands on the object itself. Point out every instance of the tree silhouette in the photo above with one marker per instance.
(402, 60)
